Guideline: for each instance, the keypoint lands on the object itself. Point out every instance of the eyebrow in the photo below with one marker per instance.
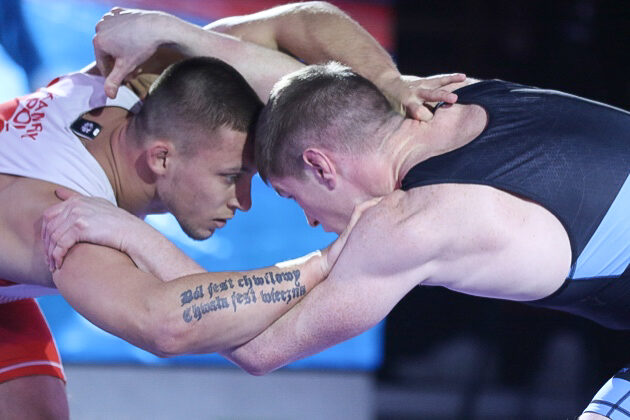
(239, 169)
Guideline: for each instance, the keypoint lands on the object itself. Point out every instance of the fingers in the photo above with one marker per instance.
(64, 193)
(60, 222)
(116, 77)
(439, 95)
(62, 245)
(360, 208)
(442, 80)
(419, 112)
(50, 219)
(447, 79)
(115, 69)
(65, 235)
(53, 218)
(430, 89)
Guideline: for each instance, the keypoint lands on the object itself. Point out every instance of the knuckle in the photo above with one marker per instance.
(54, 236)
(65, 242)
(47, 216)
(75, 212)
(81, 224)
(57, 254)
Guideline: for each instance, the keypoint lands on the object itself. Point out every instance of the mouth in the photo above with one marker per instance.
(220, 222)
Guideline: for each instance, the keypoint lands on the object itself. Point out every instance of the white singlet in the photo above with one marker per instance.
(36, 142)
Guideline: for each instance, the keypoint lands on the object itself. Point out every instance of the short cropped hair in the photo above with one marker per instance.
(326, 106)
(194, 97)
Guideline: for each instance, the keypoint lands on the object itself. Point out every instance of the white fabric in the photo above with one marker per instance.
(36, 142)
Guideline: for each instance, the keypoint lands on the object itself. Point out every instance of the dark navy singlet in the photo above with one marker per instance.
(570, 155)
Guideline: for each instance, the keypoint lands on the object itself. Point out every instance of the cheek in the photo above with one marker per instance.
(214, 193)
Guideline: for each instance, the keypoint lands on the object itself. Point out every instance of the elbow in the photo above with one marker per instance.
(253, 361)
(166, 335)
(319, 7)
(256, 368)
(164, 342)
(309, 10)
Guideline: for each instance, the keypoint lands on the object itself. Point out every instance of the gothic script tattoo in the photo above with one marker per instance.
(280, 287)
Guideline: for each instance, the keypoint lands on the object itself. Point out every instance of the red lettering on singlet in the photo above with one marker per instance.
(28, 115)
(6, 111)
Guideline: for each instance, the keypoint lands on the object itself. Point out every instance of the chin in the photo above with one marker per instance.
(198, 234)
(336, 230)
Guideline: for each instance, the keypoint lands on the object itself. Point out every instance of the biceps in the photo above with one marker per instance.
(95, 279)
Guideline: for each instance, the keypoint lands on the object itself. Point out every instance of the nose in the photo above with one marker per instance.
(242, 199)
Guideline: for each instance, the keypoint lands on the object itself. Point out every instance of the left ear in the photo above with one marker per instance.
(158, 156)
(321, 167)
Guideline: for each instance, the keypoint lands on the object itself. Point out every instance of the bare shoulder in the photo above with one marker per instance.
(472, 238)
(380, 242)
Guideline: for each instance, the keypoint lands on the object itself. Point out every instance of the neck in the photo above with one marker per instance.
(123, 163)
(450, 128)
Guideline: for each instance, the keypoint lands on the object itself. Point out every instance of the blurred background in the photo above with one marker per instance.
(439, 355)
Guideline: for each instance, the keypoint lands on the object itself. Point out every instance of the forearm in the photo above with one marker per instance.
(193, 314)
(153, 253)
(315, 32)
(237, 306)
(261, 67)
(334, 311)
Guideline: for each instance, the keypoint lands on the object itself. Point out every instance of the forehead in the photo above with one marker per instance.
(228, 148)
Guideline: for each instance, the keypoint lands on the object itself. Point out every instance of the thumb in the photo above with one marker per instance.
(419, 112)
(64, 193)
(116, 77)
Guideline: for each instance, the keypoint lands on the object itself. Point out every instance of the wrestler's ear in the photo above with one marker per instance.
(159, 154)
(321, 167)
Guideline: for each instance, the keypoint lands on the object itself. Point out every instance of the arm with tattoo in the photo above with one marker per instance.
(202, 312)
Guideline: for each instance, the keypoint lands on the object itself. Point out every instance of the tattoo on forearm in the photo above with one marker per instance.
(246, 290)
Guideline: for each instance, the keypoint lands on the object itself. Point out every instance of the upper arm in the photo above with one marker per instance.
(106, 287)
(487, 242)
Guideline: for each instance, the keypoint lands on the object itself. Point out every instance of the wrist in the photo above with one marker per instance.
(387, 76)
(135, 237)
(177, 32)
(163, 27)
(314, 266)
(389, 83)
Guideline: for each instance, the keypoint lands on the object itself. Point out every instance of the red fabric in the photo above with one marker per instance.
(26, 344)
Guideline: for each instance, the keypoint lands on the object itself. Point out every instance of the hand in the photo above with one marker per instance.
(330, 254)
(124, 39)
(84, 219)
(410, 93)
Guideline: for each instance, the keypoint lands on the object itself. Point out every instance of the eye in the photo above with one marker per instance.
(231, 178)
